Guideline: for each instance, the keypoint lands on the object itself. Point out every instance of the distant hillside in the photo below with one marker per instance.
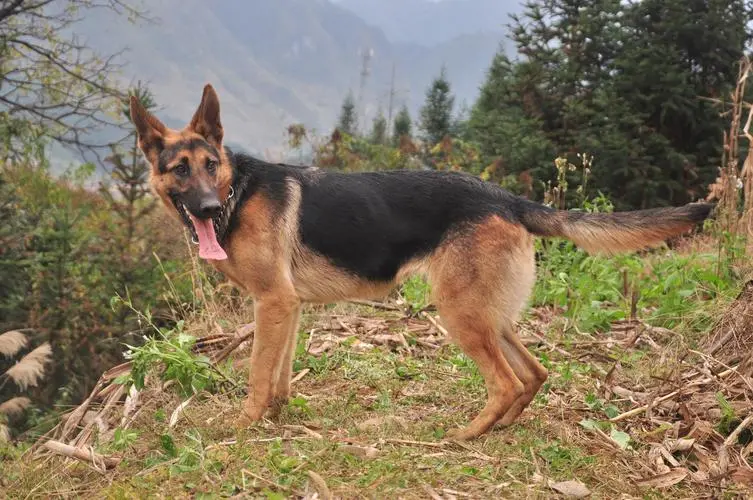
(276, 62)
(429, 22)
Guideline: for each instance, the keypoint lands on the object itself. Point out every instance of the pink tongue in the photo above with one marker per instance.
(209, 248)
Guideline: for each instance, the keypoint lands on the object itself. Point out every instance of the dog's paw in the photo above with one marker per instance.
(244, 420)
(276, 406)
(250, 415)
(460, 434)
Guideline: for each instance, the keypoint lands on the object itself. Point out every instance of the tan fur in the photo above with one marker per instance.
(618, 232)
(480, 282)
(161, 183)
(613, 240)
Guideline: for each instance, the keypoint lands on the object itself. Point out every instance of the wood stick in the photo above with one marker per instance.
(75, 417)
(431, 492)
(641, 409)
(711, 358)
(300, 375)
(304, 429)
(550, 345)
(436, 324)
(320, 485)
(413, 443)
(377, 305)
(116, 371)
(178, 410)
(721, 342)
(223, 354)
(91, 457)
(732, 438)
(271, 483)
(456, 492)
(85, 433)
(346, 327)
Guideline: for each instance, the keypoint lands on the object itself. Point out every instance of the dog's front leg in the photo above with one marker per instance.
(276, 316)
(281, 391)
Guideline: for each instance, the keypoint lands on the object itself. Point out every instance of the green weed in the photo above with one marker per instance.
(416, 292)
(191, 373)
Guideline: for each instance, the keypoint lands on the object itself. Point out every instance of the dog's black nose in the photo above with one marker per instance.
(210, 209)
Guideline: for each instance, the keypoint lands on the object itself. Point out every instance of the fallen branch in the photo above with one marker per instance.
(550, 345)
(91, 457)
(300, 375)
(271, 483)
(642, 408)
(222, 355)
(304, 429)
(377, 305)
(431, 492)
(732, 438)
(176, 413)
(436, 324)
(456, 492)
(346, 327)
(413, 443)
(728, 368)
(320, 485)
(475, 453)
(722, 341)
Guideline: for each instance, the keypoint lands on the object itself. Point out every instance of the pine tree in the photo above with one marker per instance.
(379, 129)
(502, 127)
(676, 54)
(402, 127)
(131, 202)
(436, 113)
(348, 121)
(623, 82)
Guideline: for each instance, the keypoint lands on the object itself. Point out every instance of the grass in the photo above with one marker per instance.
(204, 455)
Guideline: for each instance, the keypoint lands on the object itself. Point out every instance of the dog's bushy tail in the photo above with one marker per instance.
(615, 232)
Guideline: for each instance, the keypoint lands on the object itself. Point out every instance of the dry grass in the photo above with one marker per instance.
(30, 369)
(12, 342)
(734, 186)
(732, 336)
(375, 395)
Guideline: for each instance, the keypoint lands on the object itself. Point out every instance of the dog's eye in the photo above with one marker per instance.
(181, 170)
(211, 166)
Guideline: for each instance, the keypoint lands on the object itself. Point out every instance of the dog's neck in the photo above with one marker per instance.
(238, 187)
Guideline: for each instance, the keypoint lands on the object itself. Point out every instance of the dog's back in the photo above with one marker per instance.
(371, 223)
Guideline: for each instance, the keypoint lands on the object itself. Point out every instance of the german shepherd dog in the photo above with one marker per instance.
(289, 235)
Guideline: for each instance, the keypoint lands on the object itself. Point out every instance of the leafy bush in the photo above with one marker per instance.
(595, 290)
(61, 271)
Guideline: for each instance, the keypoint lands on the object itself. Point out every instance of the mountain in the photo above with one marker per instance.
(277, 62)
(431, 22)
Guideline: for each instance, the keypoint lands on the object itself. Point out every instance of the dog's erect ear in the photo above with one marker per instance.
(206, 120)
(151, 131)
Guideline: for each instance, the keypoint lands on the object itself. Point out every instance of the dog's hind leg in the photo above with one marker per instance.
(276, 316)
(527, 368)
(478, 340)
(480, 281)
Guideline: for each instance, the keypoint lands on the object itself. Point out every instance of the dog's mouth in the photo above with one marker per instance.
(183, 212)
(203, 232)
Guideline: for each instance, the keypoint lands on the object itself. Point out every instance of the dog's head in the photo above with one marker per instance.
(190, 171)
